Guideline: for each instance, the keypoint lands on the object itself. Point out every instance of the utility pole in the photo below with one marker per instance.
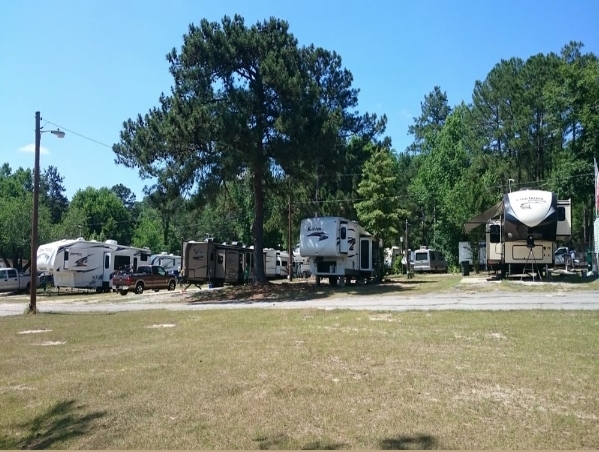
(34, 222)
(290, 260)
(407, 250)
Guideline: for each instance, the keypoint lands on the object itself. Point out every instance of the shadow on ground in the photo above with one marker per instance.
(419, 442)
(284, 442)
(52, 429)
(293, 292)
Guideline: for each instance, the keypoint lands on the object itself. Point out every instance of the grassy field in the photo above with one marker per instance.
(257, 379)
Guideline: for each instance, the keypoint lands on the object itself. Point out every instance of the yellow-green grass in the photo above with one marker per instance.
(292, 379)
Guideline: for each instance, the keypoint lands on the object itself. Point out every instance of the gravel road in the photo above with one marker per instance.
(178, 301)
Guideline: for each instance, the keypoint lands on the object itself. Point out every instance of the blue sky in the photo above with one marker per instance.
(89, 65)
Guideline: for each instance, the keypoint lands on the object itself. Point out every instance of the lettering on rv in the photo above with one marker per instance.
(526, 202)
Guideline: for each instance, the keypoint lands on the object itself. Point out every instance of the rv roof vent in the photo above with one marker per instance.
(80, 239)
(111, 242)
(163, 253)
(423, 247)
(94, 241)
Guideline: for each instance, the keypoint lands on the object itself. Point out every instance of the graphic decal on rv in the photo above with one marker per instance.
(320, 234)
(528, 204)
(352, 243)
(82, 262)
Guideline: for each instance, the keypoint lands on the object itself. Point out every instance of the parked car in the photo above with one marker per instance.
(145, 277)
(13, 281)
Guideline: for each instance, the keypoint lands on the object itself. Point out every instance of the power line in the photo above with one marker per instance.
(79, 134)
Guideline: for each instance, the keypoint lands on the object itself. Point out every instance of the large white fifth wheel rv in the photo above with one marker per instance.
(523, 229)
(339, 249)
(81, 264)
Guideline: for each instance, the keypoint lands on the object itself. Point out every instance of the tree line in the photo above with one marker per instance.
(257, 128)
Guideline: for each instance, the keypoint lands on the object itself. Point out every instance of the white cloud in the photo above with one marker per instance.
(406, 113)
(31, 148)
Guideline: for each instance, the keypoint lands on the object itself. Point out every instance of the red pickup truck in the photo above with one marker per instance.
(145, 277)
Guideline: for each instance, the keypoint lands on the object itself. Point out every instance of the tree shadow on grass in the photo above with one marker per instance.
(282, 441)
(60, 423)
(418, 442)
(295, 292)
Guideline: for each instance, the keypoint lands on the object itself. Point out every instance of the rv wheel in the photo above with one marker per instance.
(139, 289)
(171, 285)
(123, 292)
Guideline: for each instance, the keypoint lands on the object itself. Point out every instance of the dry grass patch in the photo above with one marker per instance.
(293, 379)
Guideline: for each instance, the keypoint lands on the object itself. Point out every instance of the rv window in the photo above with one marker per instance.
(343, 233)
(421, 257)
(106, 261)
(561, 214)
(66, 255)
(144, 257)
(121, 262)
(12, 273)
(3, 274)
(494, 233)
(212, 257)
(284, 263)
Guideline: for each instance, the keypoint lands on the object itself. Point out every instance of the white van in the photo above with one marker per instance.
(426, 260)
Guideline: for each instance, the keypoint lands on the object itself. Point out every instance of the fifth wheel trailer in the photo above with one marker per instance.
(523, 229)
(339, 249)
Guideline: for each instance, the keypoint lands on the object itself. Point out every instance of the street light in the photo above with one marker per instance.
(36, 188)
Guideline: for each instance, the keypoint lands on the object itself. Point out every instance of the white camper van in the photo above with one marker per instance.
(339, 249)
(82, 264)
(427, 260)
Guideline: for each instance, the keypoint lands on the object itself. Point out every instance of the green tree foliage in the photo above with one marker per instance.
(102, 215)
(52, 193)
(16, 210)
(246, 99)
(434, 110)
(379, 206)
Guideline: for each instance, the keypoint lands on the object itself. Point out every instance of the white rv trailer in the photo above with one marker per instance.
(466, 254)
(339, 249)
(81, 264)
(523, 229)
(283, 265)
(169, 262)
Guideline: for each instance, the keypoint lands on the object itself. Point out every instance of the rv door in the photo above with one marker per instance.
(107, 270)
(219, 271)
(343, 243)
(365, 254)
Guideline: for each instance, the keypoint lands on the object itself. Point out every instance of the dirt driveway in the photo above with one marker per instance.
(474, 294)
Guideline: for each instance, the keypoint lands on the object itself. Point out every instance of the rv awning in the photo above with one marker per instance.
(482, 218)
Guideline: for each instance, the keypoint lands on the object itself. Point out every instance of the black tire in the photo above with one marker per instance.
(123, 292)
(171, 285)
(139, 288)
